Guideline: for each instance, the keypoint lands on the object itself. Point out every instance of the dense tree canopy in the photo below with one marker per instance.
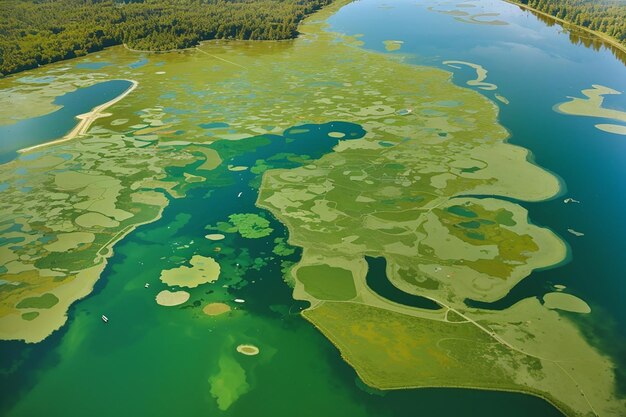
(605, 16)
(37, 32)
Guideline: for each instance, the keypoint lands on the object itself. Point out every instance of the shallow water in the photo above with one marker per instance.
(42, 129)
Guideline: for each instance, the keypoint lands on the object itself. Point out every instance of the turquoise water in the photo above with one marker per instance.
(152, 360)
(536, 66)
(37, 130)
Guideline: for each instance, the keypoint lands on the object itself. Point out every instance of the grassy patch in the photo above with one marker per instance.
(46, 300)
(326, 282)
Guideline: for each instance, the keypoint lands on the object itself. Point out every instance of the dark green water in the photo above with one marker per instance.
(152, 360)
(377, 280)
(37, 130)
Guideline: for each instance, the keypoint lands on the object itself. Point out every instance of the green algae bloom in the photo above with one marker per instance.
(250, 225)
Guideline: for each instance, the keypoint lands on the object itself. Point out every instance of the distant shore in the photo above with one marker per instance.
(86, 119)
(614, 42)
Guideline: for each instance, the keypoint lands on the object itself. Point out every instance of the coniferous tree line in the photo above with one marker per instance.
(38, 32)
(605, 16)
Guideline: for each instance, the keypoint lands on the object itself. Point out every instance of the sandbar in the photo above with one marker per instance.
(565, 302)
(203, 269)
(248, 350)
(172, 298)
(215, 309)
(611, 128)
(86, 120)
(481, 75)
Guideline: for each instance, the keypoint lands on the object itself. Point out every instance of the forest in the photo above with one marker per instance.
(605, 16)
(38, 32)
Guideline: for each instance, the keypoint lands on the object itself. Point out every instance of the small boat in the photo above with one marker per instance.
(239, 195)
(570, 200)
(105, 318)
(239, 300)
(147, 285)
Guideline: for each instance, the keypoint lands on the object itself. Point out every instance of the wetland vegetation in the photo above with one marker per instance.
(239, 187)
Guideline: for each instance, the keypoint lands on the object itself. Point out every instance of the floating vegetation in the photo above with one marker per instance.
(248, 350)
(172, 298)
(250, 225)
(237, 168)
(478, 19)
(203, 270)
(501, 99)
(466, 17)
(592, 107)
(215, 309)
(282, 248)
(391, 45)
(481, 75)
(193, 178)
(575, 233)
(611, 128)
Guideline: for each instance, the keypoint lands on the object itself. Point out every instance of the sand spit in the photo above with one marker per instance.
(86, 120)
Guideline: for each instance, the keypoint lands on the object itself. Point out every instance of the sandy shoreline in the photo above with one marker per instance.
(86, 119)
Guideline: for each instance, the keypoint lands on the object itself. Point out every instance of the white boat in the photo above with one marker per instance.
(239, 300)
(147, 285)
(570, 200)
(105, 318)
(239, 195)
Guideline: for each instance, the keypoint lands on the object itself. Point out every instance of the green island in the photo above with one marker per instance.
(399, 167)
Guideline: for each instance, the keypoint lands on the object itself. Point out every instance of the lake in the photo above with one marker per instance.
(154, 360)
(54, 125)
